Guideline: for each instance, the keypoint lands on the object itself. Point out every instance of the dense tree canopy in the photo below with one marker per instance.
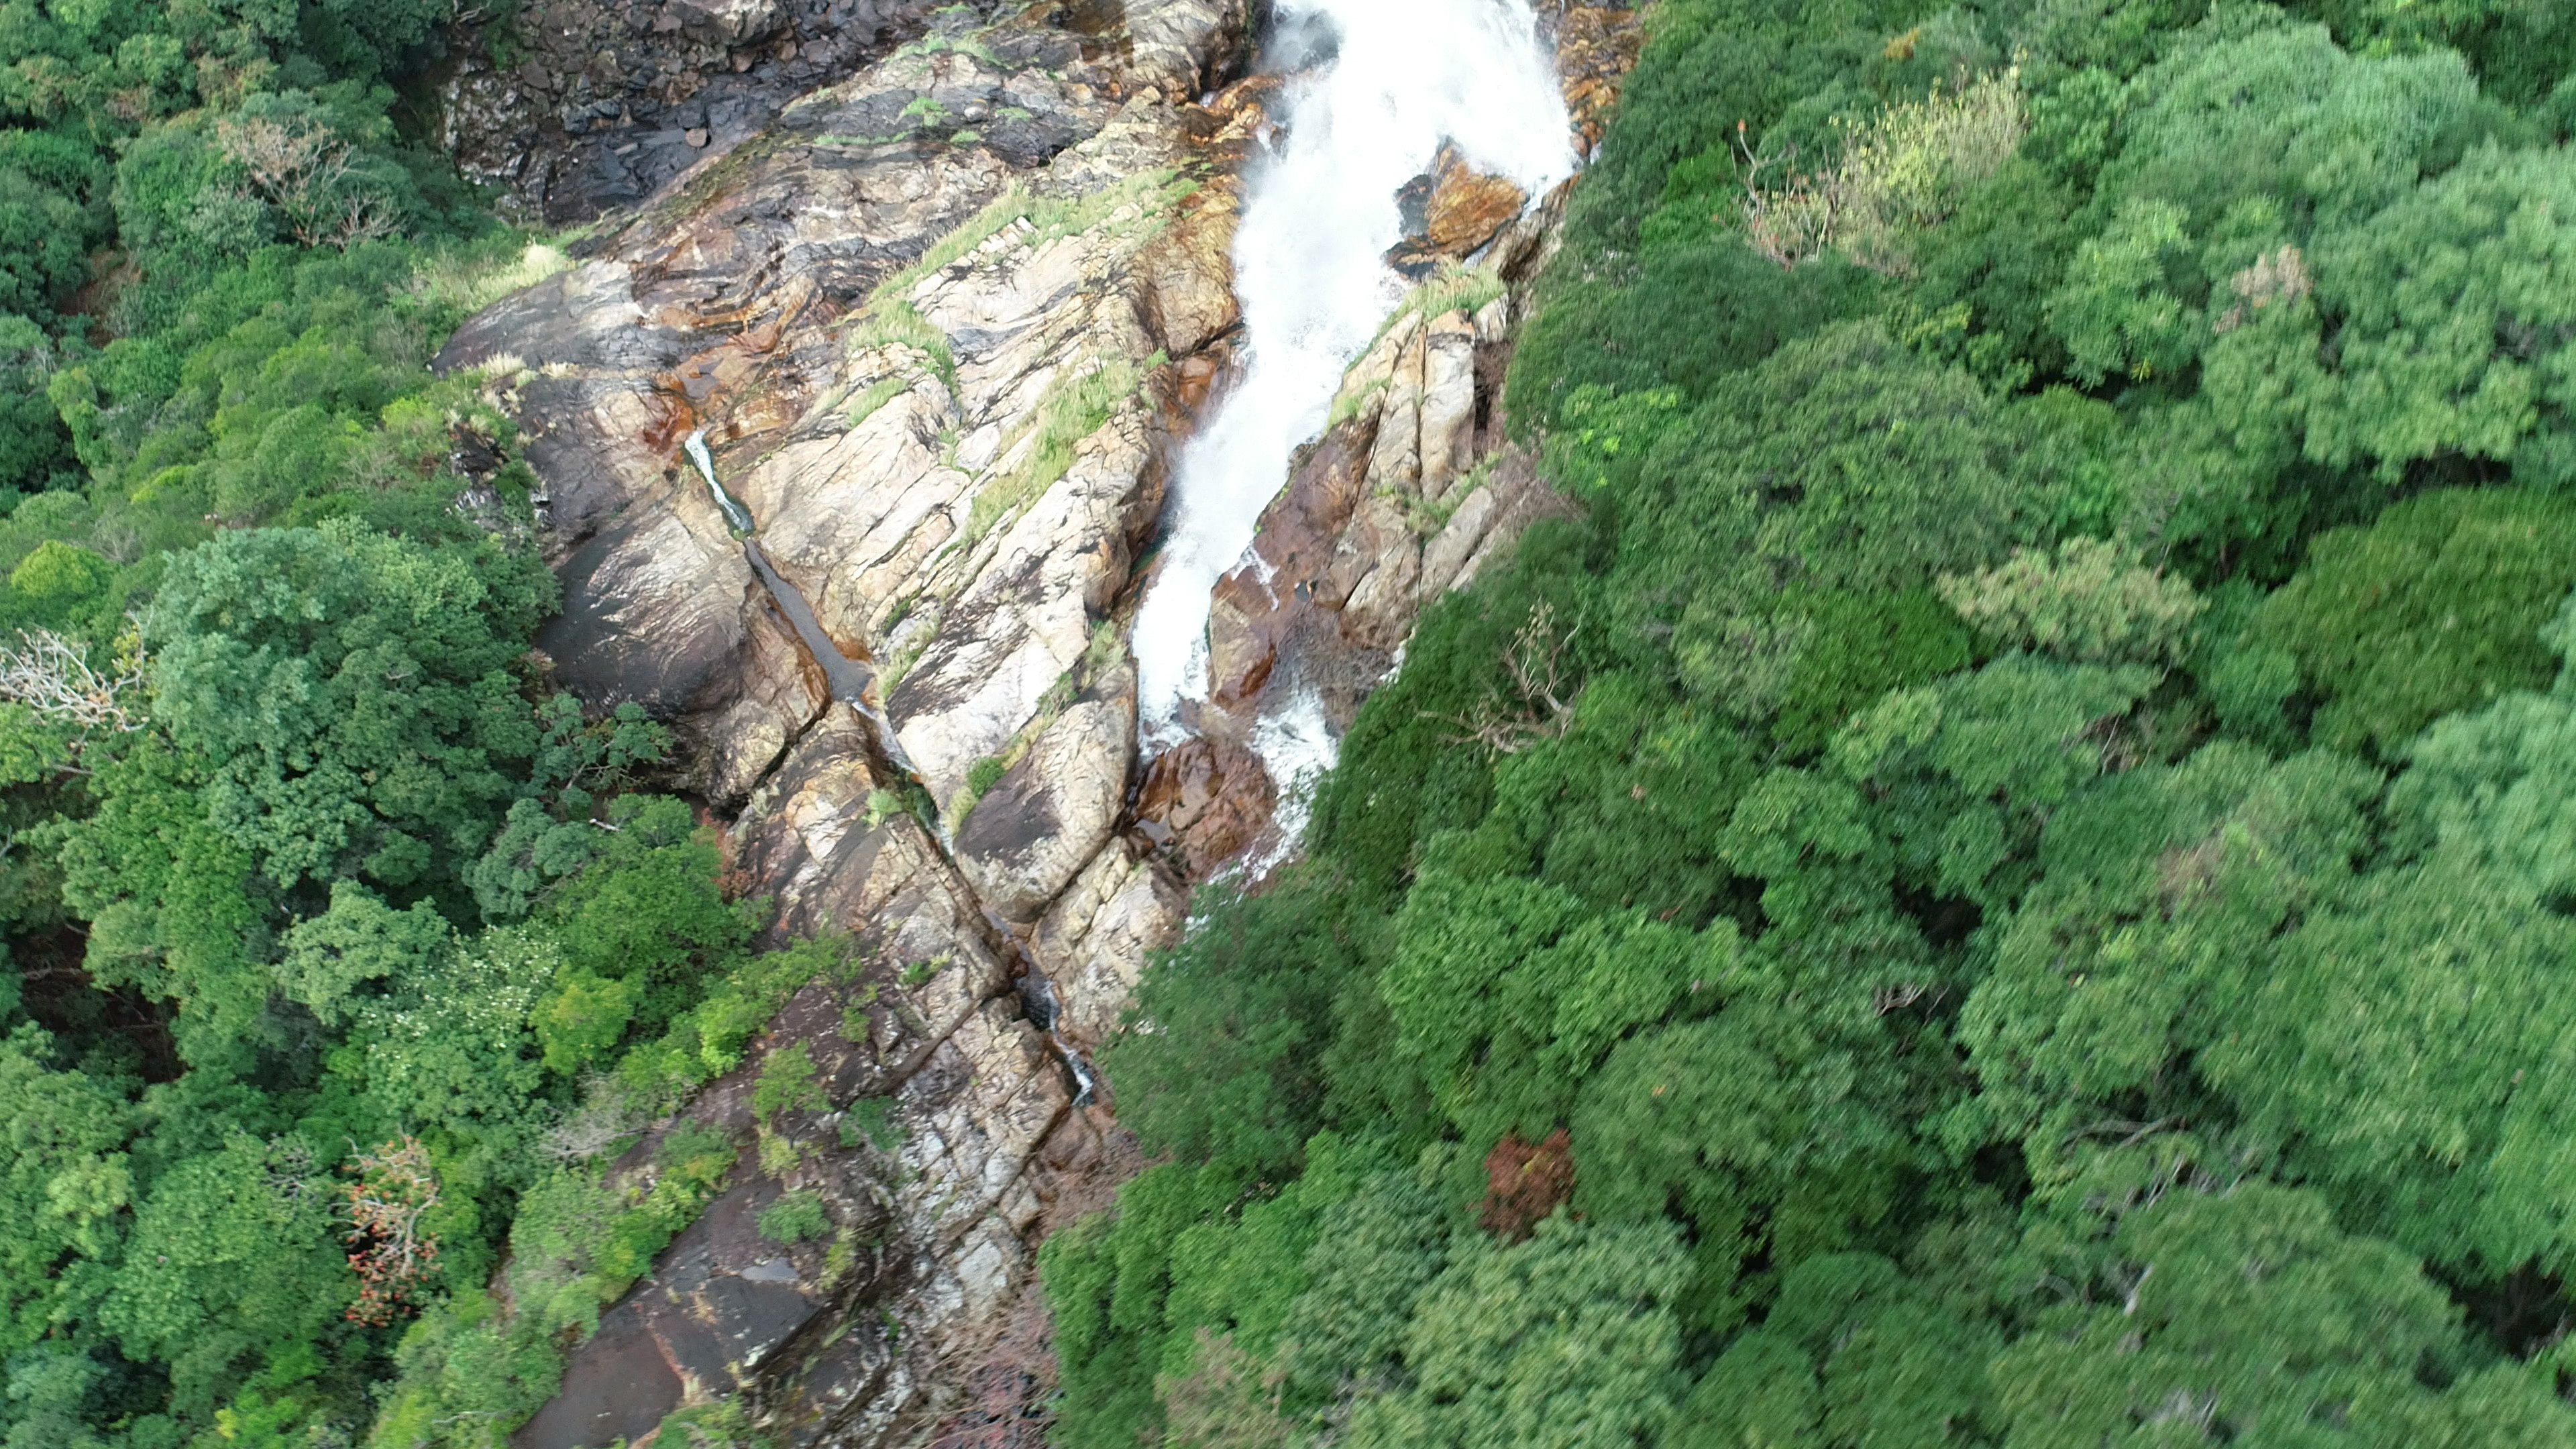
(2041, 923)
(314, 890)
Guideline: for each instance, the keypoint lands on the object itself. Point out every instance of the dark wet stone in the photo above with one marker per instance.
(618, 1386)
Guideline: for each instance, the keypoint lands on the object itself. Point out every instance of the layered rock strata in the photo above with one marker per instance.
(943, 325)
(575, 108)
(1412, 492)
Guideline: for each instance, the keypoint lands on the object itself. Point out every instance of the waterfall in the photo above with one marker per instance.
(1390, 80)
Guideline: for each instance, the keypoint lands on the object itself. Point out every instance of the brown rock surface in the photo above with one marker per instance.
(1596, 48)
(1208, 799)
(1468, 209)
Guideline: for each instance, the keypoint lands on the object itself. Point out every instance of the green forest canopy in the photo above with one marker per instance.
(340, 951)
(2044, 924)
(2039, 927)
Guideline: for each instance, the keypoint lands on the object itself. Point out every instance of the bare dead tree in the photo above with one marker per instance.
(52, 675)
(603, 1120)
(302, 170)
(396, 1188)
(1534, 703)
(1903, 994)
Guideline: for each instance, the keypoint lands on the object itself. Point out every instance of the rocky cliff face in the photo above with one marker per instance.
(943, 324)
(576, 108)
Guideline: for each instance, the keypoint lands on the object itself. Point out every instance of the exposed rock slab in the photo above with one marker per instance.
(579, 107)
(1051, 813)
(959, 473)
(729, 306)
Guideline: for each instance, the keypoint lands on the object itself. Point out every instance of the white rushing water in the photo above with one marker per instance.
(1399, 77)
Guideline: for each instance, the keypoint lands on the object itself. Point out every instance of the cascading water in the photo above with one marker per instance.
(1393, 79)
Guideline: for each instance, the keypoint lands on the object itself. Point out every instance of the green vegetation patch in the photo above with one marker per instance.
(2005, 880)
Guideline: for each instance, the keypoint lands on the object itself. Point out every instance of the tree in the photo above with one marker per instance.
(1852, 466)
(349, 695)
(233, 1252)
(1765, 1127)
(2398, 1047)
(2252, 117)
(1567, 1341)
(2453, 309)
(2165, 894)
(2435, 607)
(2093, 603)
(2241, 1315)
(1853, 1352)
(1240, 1014)
(65, 1189)
(1508, 992)
(1624, 809)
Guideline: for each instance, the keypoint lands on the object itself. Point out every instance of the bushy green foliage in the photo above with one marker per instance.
(329, 876)
(795, 1218)
(1567, 1340)
(2435, 607)
(2031, 910)
(1232, 1072)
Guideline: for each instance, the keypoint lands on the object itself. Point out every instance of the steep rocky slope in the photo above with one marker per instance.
(942, 326)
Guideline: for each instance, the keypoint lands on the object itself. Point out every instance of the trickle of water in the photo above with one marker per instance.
(1397, 78)
(737, 517)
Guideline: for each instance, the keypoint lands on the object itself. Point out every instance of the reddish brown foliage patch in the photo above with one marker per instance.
(1525, 1183)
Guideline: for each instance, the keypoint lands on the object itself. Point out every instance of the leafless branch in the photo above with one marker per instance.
(52, 676)
(300, 169)
(1534, 703)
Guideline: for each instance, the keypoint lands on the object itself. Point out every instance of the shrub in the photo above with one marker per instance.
(2434, 608)
(797, 1217)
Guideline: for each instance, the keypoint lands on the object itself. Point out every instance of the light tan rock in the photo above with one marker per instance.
(1025, 619)
(1395, 464)
(1188, 273)
(1095, 940)
(726, 22)
(1446, 415)
(1183, 46)
(1051, 812)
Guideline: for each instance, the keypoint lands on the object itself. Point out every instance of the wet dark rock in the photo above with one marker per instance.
(575, 108)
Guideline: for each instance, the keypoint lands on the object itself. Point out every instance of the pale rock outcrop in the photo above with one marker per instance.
(1051, 813)
(1096, 939)
(741, 304)
(932, 1144)
(726, 22)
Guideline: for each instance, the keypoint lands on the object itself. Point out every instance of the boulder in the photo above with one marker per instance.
(726, 22)
(1095, 940)
(1207, 799)
(1467, 208)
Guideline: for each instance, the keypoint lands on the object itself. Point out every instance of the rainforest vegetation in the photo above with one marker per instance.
(2011, 879)
(337, 948)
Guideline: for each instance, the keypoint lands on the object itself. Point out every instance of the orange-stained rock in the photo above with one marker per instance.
(1468, 209)
(1596, 48)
